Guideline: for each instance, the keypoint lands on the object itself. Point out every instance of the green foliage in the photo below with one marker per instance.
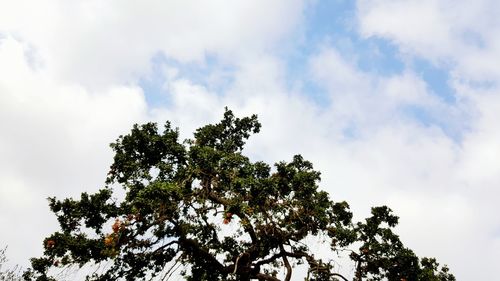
(205, 206)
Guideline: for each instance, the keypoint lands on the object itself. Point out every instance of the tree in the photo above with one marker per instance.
(10, 274)
(203, 205)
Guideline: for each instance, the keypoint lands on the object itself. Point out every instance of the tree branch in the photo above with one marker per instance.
(339, 275)
(287, 264)
(192, 246)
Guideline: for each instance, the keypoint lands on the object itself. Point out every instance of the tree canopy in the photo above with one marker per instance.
(205, 206)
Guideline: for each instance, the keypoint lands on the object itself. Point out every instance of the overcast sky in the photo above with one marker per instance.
(396, 102)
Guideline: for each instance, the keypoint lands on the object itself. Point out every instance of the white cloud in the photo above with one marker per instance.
(53, 142)
(457, 33)
(430, 31)
(368, 100)
(96, 43)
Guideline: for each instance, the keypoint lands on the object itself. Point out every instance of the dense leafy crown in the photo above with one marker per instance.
(205, 206)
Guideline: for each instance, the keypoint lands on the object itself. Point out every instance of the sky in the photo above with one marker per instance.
(396, 102)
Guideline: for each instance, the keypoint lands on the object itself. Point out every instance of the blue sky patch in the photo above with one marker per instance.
(436, 78)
